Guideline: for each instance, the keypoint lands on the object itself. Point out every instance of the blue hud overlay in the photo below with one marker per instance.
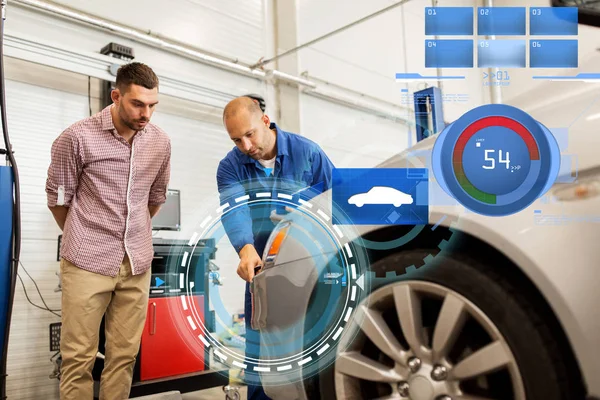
(381, 196)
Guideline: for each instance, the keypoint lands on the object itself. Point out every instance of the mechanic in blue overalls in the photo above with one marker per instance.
(265, 158)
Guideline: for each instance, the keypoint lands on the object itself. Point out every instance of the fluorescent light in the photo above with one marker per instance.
(593, 117)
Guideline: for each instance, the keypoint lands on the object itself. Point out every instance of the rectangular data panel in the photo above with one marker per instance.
(502, 53)
(553, 21)
(501, 21)
(448, 54)
(381, 196)
(553, 54)
(440, 21)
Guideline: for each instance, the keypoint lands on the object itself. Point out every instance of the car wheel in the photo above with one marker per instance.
(359, 205)
(455, 330)
(397, 205)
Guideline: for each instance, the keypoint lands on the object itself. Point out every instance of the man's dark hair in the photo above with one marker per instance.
(259, 100)
(136, 73)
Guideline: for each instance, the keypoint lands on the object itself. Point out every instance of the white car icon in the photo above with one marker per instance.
(381, 195)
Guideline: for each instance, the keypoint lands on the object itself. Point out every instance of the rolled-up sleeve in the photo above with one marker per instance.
(65, 167)
(158, 191)
(238, 222)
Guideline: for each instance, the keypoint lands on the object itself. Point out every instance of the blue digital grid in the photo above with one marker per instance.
(553, 54)
(449, 21)
(502, 53)
(550, 21)
(501, 21)
(448, 54)
(348, 183)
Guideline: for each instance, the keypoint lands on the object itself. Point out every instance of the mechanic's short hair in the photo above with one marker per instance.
(136, 73)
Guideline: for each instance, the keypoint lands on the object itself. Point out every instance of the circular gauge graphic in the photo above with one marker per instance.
(496, 160)
(304, 297)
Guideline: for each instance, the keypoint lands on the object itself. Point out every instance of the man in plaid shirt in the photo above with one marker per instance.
(107, 178)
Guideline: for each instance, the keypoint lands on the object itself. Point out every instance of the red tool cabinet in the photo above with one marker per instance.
(167, 341)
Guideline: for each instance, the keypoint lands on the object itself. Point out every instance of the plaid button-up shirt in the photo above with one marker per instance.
(108, 184)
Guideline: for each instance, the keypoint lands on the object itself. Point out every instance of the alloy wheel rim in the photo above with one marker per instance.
(420, 356)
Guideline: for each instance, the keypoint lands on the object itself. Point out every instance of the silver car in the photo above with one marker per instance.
(471, 307)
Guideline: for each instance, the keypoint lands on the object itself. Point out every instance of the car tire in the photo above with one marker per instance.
(541, 357)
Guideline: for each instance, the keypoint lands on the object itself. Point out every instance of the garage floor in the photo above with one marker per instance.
(213, 394)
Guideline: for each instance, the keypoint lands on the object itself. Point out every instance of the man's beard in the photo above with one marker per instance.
(131, 123)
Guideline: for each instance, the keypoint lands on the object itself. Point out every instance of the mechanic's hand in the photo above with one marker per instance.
(249, 259)
(276, 218)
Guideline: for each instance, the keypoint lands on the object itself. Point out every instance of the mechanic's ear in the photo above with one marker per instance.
(266, 120)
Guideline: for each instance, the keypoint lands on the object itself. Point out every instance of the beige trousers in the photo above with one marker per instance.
(86, 297)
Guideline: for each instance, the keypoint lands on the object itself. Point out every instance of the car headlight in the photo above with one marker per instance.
(274, 243)
(585, 189)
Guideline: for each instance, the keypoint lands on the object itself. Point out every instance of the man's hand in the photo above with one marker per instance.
(60, 215)
(153, 210)
(249, 259)
(276, 218)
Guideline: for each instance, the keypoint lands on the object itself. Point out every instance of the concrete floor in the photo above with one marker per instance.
(213, 394)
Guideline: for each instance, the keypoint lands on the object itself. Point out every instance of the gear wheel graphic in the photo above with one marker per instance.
(444, 234)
